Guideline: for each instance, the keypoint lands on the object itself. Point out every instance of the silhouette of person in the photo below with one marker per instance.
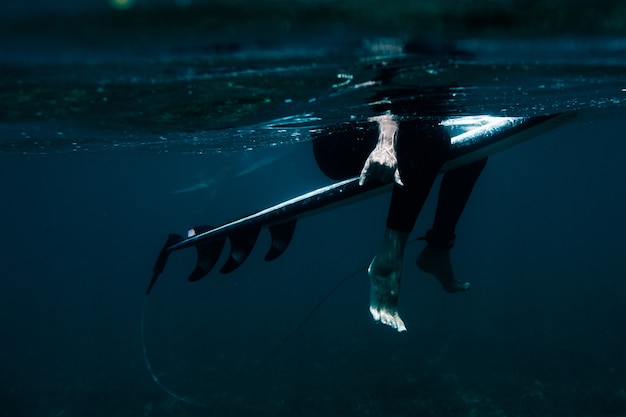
(413, 153)
(406, 143)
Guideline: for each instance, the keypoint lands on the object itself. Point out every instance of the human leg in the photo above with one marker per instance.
(456, 188)
(421, 152)
(385, 271)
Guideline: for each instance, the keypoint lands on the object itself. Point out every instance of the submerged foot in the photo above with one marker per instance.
(384, 292)
(437, 262)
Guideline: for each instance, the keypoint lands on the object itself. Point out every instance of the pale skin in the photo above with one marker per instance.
(382, 163)
(385, 270)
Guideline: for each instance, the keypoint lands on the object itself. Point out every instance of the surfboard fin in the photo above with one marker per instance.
(241, 245)
(207, 258)
(208, 253)
(281, 237)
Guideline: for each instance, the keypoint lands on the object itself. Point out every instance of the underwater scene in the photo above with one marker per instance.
(127, 124)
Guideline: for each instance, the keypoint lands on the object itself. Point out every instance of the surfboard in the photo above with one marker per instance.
(472, 138)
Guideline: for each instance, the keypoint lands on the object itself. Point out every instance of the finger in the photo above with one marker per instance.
(363, 175)
(397, 178)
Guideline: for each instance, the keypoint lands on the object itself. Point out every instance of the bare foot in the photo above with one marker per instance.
(437, 262)
(384, 292)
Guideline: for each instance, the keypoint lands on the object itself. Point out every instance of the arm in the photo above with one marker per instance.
(382, 163)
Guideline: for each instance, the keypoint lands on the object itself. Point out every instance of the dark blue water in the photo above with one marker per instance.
(105, 149)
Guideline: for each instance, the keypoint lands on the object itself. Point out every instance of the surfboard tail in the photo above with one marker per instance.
(159, 265)
(242, 234)
(210, 248)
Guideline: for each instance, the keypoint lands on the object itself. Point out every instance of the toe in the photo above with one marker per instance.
(375, 314)
(385, 318)
(400, 326)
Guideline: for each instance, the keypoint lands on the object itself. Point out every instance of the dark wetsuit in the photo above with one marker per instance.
(422, 149)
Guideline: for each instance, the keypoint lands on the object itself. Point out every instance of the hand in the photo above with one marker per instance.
(382, 163)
